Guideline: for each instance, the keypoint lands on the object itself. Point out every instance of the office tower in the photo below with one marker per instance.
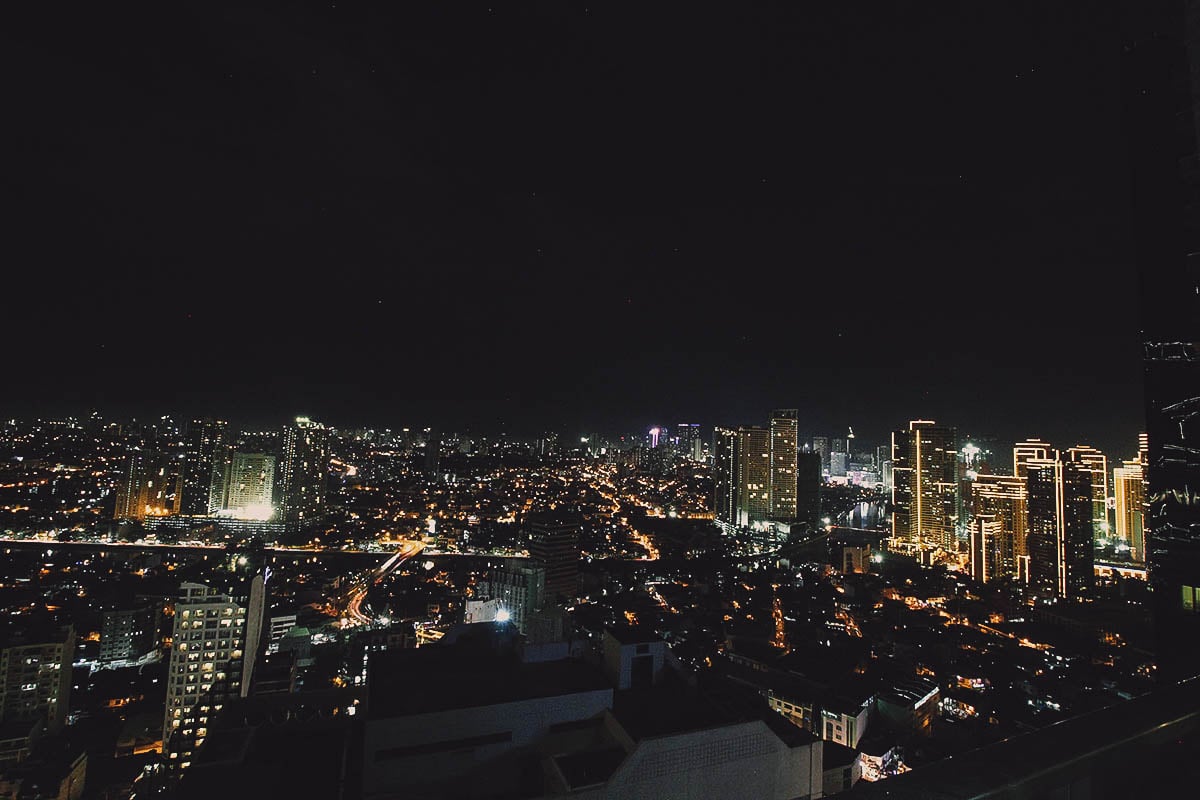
(882, 453)
(554, 544)
(214, 644)
(128, 634)
(754, 475)
(925, 485)
(1129, 493)
(1031, 450)
(985, 547)
(784, 444)
(725, 476)
(148, 486)
(1003, 498)
(808, 489)
(304, 465)
(205, 441)
(35, 676)
(1060, 530)
(820, 445)
(248, 486)
(520, 592)
(1096, 463)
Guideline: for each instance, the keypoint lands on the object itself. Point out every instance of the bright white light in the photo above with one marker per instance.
(502, 615)
(877, 558)
(243, 561)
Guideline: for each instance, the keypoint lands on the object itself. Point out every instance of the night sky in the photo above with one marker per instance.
(574, 218)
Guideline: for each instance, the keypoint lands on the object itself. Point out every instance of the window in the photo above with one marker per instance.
(1191, 599)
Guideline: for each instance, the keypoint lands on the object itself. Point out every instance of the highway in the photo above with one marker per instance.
(347, 605)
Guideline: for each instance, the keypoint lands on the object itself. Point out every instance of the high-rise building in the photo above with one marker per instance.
(725, 476)
(784, 444)
(148, 486)
(35, 675)
(687, 435)
(985, 547)
(205, 441)
(303, 471)
(520, 592)
(214, 644)
(1060, 530)
(130, 633)
(1096, 463)
(808, 489)
(244, 486)
(1003, 498)
(1129, 494)
(1031, 450)
(433, 450)
(820, 445)
(925, 485)
(554, 544)
(754, 475)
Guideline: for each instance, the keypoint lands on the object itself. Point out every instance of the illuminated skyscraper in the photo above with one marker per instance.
(204, 443)
(820, 445)
(725, 476)
(754, 475)
(985, 547)
(1003, 498)
(925, 485)
(783, 448)
(688, 436)
(1129, 492)
(1060, 530)
(1096, 463)
(1031, 450)
(243, 486)
(148, 486)
(303, 471)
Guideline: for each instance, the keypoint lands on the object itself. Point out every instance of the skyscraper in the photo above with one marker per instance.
(214, 644)
(303, 471)
(554, 544)
(725, 476)
(688, 436)
(1096, 463)
(784, 430)
(985, 547)
(820, 445)
(925, 485)
(520, 590)
(808, 489)
(1060, 530)
(1003, 498)
(1031, 450)
(246, 488)
(1129, 493)
(148, 486)
(203, 444)
(754, 475)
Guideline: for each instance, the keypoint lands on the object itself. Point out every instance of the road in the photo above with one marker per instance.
(347, 605)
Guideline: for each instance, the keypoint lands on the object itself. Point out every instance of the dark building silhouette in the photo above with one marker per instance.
(206, 440)
(554, 543)
(1162, 53)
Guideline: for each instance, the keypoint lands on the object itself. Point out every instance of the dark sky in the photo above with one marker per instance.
(574, 218)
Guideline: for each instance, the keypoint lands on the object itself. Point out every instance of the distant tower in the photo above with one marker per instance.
(1129, 494)
(433, 452)
(203, 444)
(1061, 560)
(725, 476)
(784, 443)
(754, 475)
(303, 471)
(148, 486)
(925, 485)
(554, 544)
